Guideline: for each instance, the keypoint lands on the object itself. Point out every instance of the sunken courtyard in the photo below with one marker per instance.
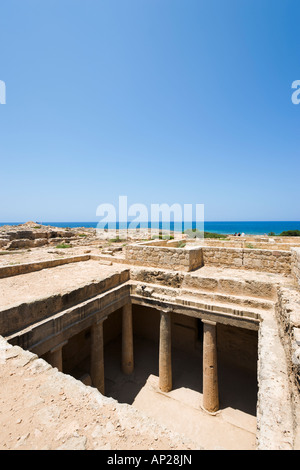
(148, 343)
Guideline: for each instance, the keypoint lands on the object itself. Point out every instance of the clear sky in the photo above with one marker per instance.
(164, 101)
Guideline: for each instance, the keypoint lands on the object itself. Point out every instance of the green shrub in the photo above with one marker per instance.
(290, 233)
(162, 237)
(214, 235)
(64, 245)
(271, 234)
(117, 240)
(195, 233)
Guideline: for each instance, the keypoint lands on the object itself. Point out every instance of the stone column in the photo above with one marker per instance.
(127, 339)
(210, 372)
(54, 356)
(165, 358)
(97, 356)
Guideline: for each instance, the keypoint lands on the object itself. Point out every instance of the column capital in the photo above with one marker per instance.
(99, 320)
(167, 310)
(209, 322)
(58, 346)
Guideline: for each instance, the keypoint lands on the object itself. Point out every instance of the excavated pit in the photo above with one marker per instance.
(46, 306)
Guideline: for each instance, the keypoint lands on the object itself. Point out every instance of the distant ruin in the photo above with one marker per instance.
(194, 344)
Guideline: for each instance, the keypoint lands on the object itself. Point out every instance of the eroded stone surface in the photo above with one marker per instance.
(42, 408)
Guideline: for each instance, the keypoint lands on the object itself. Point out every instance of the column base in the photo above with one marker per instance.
(211, 413)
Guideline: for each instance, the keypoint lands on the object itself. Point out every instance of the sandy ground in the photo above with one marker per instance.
(41, 408)
(240, 274)
(8, 258)
(47, 282)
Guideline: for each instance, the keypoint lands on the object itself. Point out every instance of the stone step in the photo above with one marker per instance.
(235, 284)
(229, 308)
(204, 296)
(244, 301)
(237, 305)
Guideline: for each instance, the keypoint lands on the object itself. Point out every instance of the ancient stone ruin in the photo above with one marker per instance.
(148, 344)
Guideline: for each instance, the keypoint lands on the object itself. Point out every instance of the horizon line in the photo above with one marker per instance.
(145, 221)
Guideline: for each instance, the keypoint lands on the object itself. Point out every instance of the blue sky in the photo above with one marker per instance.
(164, 101)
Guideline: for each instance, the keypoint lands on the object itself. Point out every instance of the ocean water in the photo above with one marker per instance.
(250, 228)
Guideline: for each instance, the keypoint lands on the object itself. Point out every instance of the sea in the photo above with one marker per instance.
(224, 227)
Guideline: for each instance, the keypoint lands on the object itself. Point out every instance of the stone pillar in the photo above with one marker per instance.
(54, 356)
(165, 358)
(127, 339)
(97, 356)
(210, 372)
